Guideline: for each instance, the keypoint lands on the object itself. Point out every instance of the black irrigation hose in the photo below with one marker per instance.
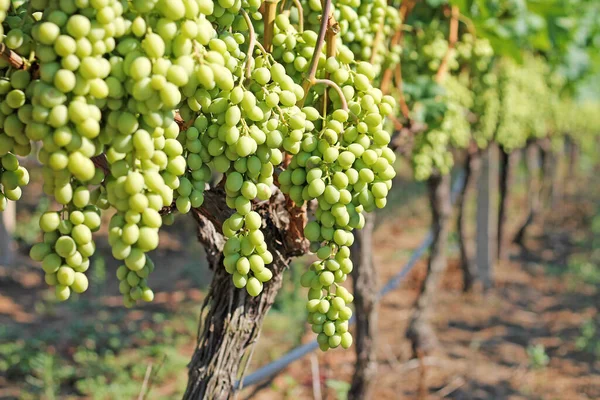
(297, 353)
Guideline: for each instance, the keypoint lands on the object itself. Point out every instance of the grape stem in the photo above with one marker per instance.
(327, 29)
(314, 62)
(300, 15)
(330, 51)
(251, 42)
(469, 23)
(183, 126)
(15, 60)
(335, 87)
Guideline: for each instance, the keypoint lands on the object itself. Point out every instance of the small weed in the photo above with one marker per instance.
(538, 359)
(341, 388)
(589, 341)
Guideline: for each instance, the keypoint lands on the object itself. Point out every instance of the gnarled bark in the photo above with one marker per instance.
(420, 332)
(230, 318)
(365, 303)
(466, 245)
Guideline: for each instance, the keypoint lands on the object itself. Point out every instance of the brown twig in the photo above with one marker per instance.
(182, 124)
(145, 383)
(377, 41)
(15, 60)
(399, 85)
(440, 76)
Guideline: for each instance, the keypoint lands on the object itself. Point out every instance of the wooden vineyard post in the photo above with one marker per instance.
(466, 244)
(365, 301)
(7, 228)
(508, 164)
(420, 332)
(487, 216)
(532, 158)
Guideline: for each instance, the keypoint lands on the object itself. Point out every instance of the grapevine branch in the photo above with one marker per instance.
(399, 83)
(270, 12)
(377, 41)
(440, 76)
(404, 10)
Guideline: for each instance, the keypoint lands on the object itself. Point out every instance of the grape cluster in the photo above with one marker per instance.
(366, 28)
(15, 112)
(345, 167)
(580, 122)
(446, 106)
(526, 102)
(71, 42)
(329, 314)
(425, 48)
(432, 150)
(477, 54)
(138, 106)
(66, 249)
(4, 7)
(12, 178)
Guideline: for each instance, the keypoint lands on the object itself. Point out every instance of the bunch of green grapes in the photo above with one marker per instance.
(67, 248)
(365, 27)
(67, 99)
(476, 54)
(138, 105)
(425, 49)
(579, 122)
(12, 178)
(15, 107)
(526, 102)
(4, 7)
(345, 165)
(445, 109)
